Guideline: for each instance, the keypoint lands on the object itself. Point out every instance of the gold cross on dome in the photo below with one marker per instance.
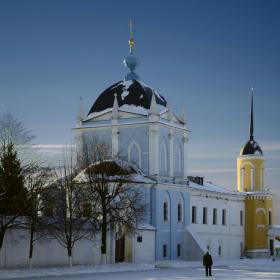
(131, 40)
(131, 24)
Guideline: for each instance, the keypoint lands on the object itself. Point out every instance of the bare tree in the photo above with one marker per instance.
(116, 198)
(13, 131)
(36, 179)
(70, 220)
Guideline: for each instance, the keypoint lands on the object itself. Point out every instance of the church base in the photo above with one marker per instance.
(257, 253)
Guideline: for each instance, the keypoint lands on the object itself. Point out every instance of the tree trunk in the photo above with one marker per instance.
(2, 235)
(104, 240)
(70, 261)
(30, 263)
(70, 257)
(103, 259)
(31, 240)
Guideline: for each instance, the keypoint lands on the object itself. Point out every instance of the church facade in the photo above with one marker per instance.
(186, 216)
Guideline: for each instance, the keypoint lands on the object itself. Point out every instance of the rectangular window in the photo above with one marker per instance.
(165, 211)
(164, 250)
(224, 217)
(241, 217)
(269, 218)
(194, 214)
(179, 212)
(178, 250)
(139, 239)
(214, 216)
(220, 250)
(204, 219)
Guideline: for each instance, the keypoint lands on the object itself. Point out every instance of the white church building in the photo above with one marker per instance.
(186, 216)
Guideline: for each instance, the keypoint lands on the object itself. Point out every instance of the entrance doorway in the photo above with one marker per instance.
(271, 247)
(119, 249)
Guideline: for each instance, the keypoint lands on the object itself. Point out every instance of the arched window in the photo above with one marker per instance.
(178, 159)
(247, 176)
(166, 207)
(180, 211)
(260, 216)
(134, 153)
(165, 211)
(163, 158)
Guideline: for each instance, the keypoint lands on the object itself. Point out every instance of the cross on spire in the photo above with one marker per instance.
(130, 24)
(131, 40)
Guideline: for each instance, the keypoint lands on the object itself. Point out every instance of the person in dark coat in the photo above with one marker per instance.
(207, 262)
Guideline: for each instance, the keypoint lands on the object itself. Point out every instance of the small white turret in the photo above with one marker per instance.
(153, 107)
(115, 107)
(80, 114)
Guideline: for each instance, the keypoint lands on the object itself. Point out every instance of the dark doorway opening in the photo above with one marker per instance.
(271, 247)
(119, 249)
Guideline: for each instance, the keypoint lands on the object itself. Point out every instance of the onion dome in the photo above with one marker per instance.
(251, 147)
(131, 95)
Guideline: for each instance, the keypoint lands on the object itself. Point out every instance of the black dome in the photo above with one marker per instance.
(251, 148)
(130, 92)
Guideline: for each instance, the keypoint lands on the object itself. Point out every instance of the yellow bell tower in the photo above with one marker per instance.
(258, 201)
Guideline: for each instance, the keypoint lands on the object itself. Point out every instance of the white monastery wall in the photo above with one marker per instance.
(223, 238)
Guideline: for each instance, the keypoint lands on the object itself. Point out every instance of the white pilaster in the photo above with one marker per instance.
(242, 179)
(185, 154)
(115, 141)
(252, 179)
(153, 150)
(171, 152)
(262, 178)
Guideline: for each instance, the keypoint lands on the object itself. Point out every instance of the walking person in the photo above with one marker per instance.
(207, 262)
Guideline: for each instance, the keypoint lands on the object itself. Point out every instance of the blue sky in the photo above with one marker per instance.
(203, 56)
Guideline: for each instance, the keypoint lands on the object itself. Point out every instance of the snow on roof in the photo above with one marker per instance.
(146, 227)
(124, 171)
(132, 92)
(134, 109)
(97, 114)
(141, 110)
(129, 109)
(208, 186)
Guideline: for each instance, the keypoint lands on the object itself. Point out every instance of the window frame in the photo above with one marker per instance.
(180, 212)
(215, 216)
(224, 219)
(164, 251)
(204, 216)
(241, 218)
(165, 211)
(194, 214)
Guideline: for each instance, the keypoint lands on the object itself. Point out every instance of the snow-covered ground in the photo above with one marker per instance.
(246, 269)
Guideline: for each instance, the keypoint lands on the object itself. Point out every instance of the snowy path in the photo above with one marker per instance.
(170, 274)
